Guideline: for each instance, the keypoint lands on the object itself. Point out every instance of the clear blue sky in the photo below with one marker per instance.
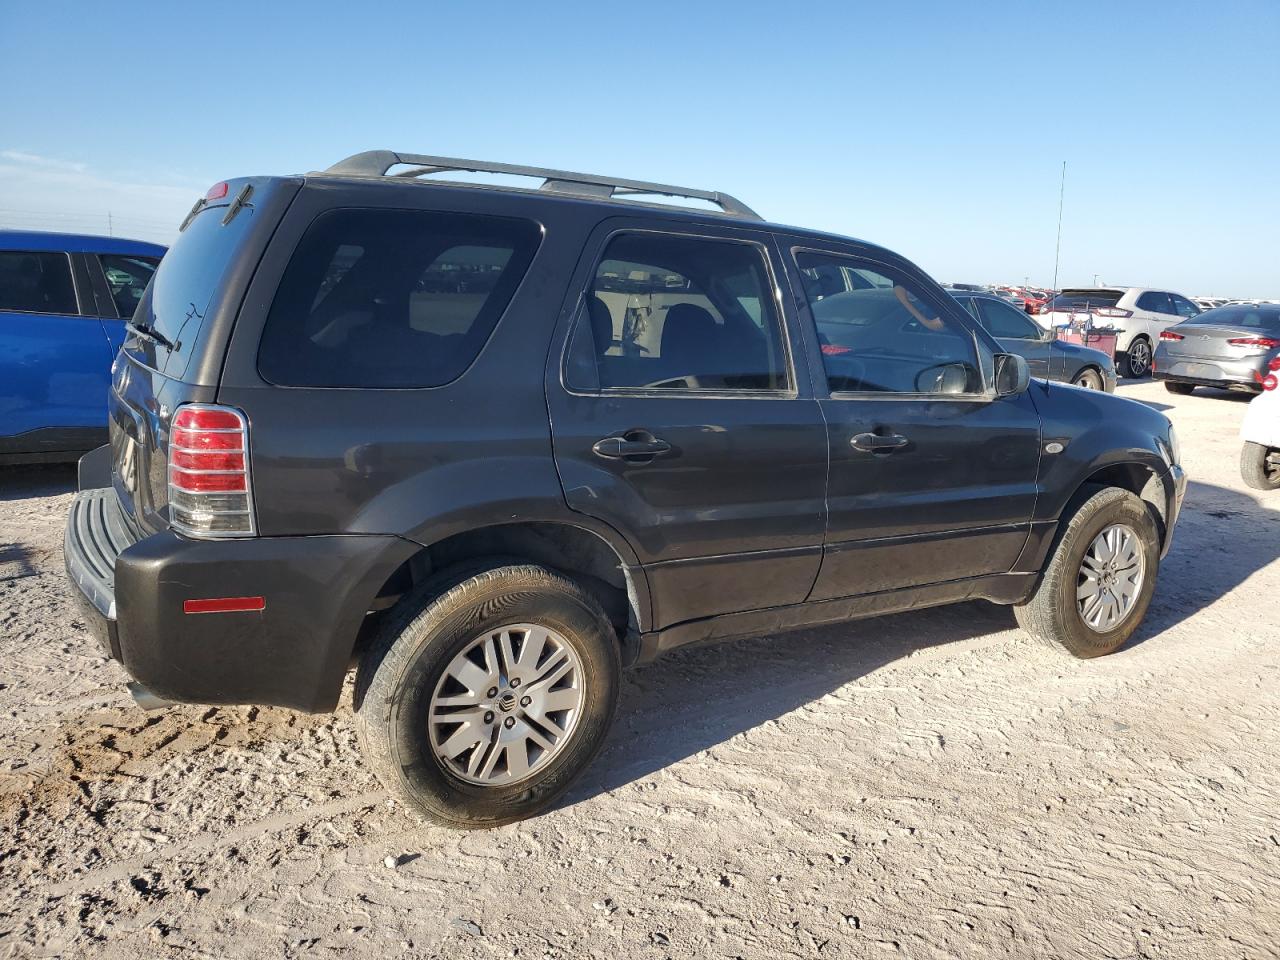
(937, 129)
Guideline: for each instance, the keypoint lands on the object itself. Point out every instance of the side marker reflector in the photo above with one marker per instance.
(224, 605)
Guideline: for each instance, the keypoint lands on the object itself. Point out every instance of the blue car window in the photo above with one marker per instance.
(36, 283)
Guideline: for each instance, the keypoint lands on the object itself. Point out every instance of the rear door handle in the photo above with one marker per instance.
(623, 448)
(874, 443)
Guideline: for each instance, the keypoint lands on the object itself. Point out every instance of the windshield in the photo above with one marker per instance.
(1251, 317)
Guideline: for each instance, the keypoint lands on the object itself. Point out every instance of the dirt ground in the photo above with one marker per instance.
(927, 785)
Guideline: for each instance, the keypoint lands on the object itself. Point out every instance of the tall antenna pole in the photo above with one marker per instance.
(1057, 250)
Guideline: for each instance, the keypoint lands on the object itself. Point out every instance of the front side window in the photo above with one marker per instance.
(392, 298)
(1184, 307)
(886, 337)
(1005, 322)
(36, 283)
(680, 313)
(127, 278)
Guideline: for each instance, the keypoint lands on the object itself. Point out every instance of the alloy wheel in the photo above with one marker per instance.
(506, 705)
(1111, 576)
(1139, 358)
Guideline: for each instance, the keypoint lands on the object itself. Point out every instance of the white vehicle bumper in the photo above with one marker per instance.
(1262, 420)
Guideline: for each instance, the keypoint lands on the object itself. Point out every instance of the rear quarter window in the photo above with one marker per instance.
(392, 298)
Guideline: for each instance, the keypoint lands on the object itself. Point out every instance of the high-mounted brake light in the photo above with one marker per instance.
(1266, 343)
(217, 191)
(210, 495)
(1170, 335)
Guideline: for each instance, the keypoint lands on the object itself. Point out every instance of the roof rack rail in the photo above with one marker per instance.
(376, 163)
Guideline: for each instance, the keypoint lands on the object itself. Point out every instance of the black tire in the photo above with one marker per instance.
(1181, 389)
(1088, 378)
(1254, 468)
(1137, 359)
(398, 673)
(1052, 614)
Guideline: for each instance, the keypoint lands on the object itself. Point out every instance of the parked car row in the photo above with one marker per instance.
(1138, 315)
(64, 303)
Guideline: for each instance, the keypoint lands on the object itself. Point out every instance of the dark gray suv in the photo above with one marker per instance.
(490, 445)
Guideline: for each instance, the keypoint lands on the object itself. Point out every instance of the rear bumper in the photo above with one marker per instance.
(292, 653)
(1210, 373)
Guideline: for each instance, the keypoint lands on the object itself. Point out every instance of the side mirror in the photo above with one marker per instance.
(1012, 375)
(1050, 334)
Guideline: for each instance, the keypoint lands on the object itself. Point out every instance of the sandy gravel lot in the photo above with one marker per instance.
(927, 785)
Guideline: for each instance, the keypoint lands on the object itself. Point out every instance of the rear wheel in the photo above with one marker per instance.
(1182, 389)
(1099, 581)
(1090, 379)
(1137, 360)
(1257, 468)
(480, 705)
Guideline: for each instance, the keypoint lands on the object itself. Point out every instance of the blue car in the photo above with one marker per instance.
(64, 301)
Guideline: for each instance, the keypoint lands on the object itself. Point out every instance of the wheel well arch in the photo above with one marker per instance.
(1138, 478)
(575, 551)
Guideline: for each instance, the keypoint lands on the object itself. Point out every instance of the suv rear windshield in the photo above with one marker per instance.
(178, 298)
(392, 298)
(1085, 299)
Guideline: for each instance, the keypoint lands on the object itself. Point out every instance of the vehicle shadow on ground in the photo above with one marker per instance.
(37, 480)
(698, 698)
(16, 562)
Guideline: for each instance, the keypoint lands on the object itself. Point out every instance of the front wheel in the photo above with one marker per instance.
(1100, 579)
(480, 705)
(1089, 379)
(1256, 466)
(1137, 360)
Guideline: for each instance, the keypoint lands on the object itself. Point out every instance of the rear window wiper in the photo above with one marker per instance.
(150, 333)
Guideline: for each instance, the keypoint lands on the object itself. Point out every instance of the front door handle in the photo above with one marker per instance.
(874, 443)
(630, 445)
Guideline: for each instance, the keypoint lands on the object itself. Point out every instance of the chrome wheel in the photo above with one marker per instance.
(1110, 580)
(506, 705)
(1139, 358)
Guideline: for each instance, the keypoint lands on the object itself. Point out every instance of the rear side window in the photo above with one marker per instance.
(36, 283)
(1155, 302)
(392, 298)
(127, 278)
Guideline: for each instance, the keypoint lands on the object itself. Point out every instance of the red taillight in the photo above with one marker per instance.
(1170, 335)
(1269, 382)
(192, 417)
(217, 191)
(1267, 343)
(1273, 363)
(209, 490)
(835, 350)
(1112, 312)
